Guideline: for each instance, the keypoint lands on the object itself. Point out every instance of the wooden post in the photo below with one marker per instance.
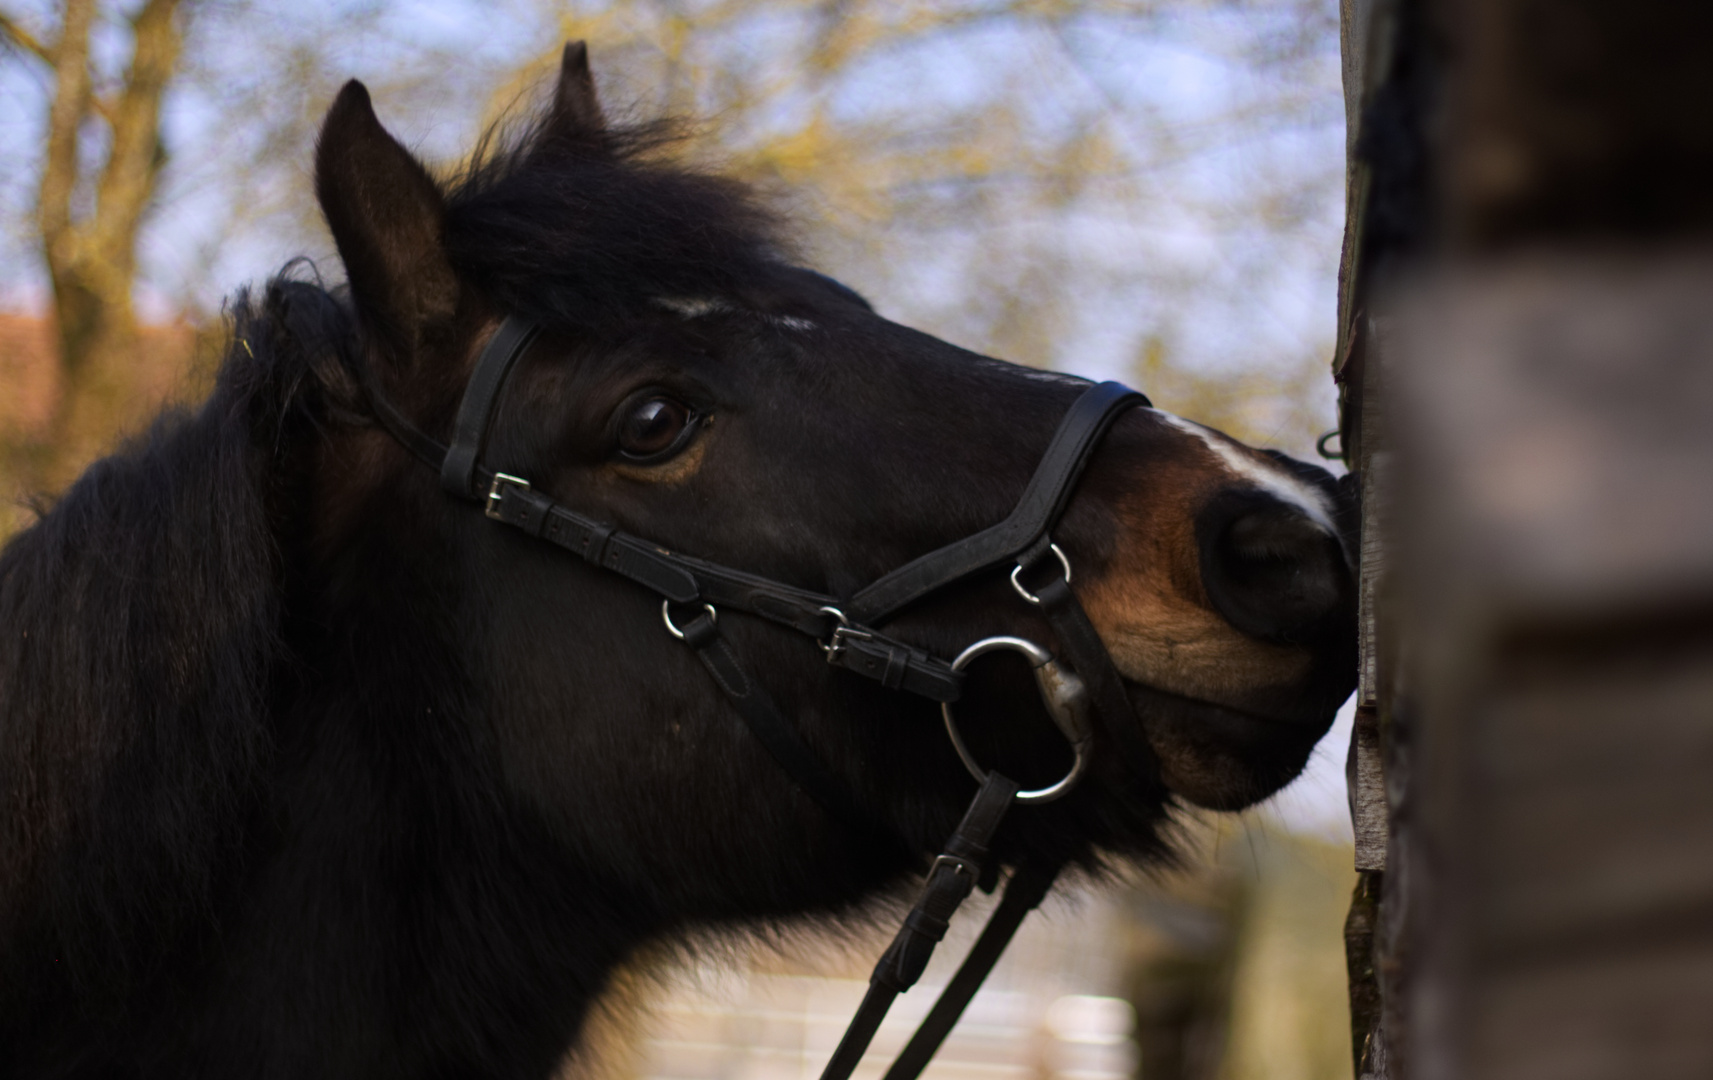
(1526, 364)
(1557, 550)
(1367, 36)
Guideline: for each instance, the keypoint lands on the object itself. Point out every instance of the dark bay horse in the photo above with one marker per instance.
(308, 770)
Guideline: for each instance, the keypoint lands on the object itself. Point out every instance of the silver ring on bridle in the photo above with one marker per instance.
(1064, 695)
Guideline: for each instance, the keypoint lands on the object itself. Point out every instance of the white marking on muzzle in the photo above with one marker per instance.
(1270, 478)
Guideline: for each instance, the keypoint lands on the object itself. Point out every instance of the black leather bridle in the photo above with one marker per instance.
(698, 590)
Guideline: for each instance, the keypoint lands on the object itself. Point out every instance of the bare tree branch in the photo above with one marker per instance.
(19, 36)
(134, 159)
(90, 245)
(23, 40)
(71, 97)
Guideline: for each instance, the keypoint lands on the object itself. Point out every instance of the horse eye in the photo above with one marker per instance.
(653, 427)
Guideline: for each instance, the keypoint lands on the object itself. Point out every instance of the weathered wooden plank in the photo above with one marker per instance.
(1561, 407)
(1542, 684)
(1578, 119)
(1365, 778)
(1599, 761)
(1557, 560)
(1630, 1012)
(1364, 44)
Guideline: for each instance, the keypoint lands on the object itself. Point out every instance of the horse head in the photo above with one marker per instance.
(693, 387)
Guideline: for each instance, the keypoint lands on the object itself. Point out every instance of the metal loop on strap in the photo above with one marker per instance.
(1062, 693)
(1019, 568)
(666, 617)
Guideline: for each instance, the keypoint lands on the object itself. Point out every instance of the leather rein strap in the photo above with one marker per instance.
(698, 590)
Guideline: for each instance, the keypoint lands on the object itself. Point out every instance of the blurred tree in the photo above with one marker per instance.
(96, 95)
(1264, 405)
(1234, 961)
(100, 162)
(1068, 184)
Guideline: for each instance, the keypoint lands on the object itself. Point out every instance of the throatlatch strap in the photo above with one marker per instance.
(458, 473)
(425, 448)
(770, 727)
(1023, 894)
(1042, 502)
(950, 881)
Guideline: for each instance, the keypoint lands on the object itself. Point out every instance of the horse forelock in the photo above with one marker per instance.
(583, 231)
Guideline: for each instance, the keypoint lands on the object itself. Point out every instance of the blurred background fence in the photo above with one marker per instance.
(1231, 968)
(1142, 189)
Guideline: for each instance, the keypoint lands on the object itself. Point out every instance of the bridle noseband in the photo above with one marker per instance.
(694, 591)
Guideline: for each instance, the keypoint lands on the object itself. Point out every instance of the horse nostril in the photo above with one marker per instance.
(1270, 569)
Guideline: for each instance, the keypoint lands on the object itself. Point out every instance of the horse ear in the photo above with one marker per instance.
(386, 214)
(576, 108)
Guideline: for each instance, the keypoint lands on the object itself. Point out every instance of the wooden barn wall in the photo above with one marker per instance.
(1526, 372)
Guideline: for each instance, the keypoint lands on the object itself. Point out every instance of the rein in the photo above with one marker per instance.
(694, 591)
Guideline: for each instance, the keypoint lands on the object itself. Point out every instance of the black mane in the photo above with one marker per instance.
(582, 228)
(142, 640)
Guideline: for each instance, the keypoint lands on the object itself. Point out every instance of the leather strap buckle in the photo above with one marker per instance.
(955, 864)
(496, 492)
(834, 646)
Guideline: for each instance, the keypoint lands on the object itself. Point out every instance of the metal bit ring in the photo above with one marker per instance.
(1062, 693)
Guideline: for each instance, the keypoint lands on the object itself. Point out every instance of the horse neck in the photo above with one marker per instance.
(215, 838)
(397, 881)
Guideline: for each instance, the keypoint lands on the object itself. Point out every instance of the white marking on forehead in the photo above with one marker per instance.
(1040, 375)
(1055, 378)
(1271, 478)
(696, 307)
(693, 307)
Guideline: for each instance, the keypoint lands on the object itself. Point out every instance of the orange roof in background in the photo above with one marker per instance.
(30, 377)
